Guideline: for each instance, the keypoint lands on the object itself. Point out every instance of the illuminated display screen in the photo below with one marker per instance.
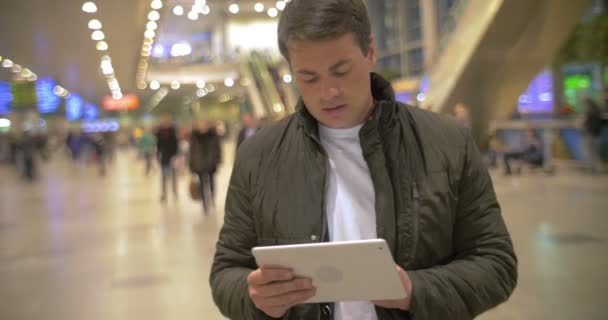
(91, 112)
(47, 100)
(538, 98)
(6, 97)
(74, 107)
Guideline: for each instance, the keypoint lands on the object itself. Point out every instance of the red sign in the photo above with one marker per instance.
(128, 102)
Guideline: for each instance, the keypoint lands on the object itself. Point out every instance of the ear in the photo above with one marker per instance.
(372, 53)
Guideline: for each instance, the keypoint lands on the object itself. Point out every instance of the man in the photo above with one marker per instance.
(354, 164)
(205, 157)
(167, 147)
(249, 129)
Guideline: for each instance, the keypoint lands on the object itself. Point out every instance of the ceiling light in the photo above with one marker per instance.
(192, 15)
(175, 85)
(200, 2)
(97, 35)
(102, 46)
(26, 73)
(201, 93)
(287, 78)
(178, 10)
(150, 34)
(234, 8)
(154, 85)
(94, 24)
(151, 25)
(156, 4)
(205, 10)
(210, 87)
(141, 85)
(281, 5)
(16, 68)
(229, 82)
(7, 63)
(259, 7)
(153, 15)
(273, 12)
(59, 91)
(89, 7)
(200, 84)
(113, 84)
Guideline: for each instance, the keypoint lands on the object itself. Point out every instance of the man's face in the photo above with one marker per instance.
(165, 122)
(334, 79)
(248, 121)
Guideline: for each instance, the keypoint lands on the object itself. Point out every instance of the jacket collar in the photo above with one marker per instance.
(383, 112)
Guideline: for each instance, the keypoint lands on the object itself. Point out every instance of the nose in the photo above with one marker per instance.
(329, 90)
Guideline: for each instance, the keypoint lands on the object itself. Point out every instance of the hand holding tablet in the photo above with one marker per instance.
(325, 272)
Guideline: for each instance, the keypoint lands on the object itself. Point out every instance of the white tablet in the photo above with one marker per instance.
(340, 271)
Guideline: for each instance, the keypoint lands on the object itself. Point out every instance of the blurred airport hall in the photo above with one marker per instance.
(121, 121)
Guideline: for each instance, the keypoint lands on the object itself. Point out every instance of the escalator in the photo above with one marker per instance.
(269, 95)
(496, 49)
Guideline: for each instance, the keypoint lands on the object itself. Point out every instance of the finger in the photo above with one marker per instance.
(277, 312)
(283, 287)
(264, 276)
(288, 299)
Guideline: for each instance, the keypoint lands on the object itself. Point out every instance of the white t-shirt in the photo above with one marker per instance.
(350, 202)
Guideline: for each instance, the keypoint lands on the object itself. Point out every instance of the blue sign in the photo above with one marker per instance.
(539, 96)
(6, 97)
(48, 101)
(91, 112)
(201, 36)
(74, 107)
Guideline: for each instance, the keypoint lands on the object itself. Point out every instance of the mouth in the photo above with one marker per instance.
(334, 109)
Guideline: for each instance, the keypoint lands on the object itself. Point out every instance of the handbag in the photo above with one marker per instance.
(195, 188)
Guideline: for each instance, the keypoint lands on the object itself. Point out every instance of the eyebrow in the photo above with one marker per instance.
(333, 68)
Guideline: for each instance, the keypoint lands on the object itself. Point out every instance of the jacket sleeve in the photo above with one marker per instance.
(233, 260)
(483, 271)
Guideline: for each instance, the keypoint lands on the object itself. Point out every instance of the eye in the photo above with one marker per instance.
(341, 73)
(311, 80)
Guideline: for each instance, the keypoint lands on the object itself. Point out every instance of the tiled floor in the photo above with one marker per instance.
(78, 246)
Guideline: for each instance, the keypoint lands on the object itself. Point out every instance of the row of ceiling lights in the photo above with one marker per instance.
(26, 74)
(20, 72)
(201, 7)
(146, 49)
(106, 62)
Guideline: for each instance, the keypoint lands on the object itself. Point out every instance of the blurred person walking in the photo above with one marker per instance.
(147, 148)
(462, 115)
(592, 128)
(167, 150)
(100, 150)
(205, 157)
(249, 128)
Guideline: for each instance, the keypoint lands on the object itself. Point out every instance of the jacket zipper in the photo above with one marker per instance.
(324, 236)
(415, 214)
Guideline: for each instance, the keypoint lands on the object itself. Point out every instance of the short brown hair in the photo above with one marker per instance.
(322, 20)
